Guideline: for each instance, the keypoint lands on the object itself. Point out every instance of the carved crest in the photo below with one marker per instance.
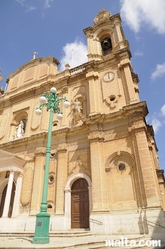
(101, 16)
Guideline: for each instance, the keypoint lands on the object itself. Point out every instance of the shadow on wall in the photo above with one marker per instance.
(153, 224)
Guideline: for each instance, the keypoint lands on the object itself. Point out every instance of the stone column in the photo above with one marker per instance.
(17, 195)
(8, 195)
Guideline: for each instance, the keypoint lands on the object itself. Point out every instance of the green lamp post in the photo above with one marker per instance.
(51, 102)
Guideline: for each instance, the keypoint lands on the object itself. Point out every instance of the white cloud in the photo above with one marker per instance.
(156, 124)
(136, 13)
(47, 3)
(139, 53)
(163, 110)
(159, 71)
(20, 1)
(30, 8)
(75, 54)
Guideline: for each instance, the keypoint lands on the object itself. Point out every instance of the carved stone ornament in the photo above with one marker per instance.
(77, 110)
(102, 16)
(111, 101)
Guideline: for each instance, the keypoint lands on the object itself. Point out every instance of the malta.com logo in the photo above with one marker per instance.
(125, 242)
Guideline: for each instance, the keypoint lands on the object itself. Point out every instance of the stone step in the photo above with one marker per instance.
(70, 233)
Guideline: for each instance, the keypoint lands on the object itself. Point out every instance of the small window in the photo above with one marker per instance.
(112, 98)
(121, 166)
(50, 205)
(51, 178)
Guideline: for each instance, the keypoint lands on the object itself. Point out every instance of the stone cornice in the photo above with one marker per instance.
(133, 112)
(88, 30)
(116, 16)
(127, 111)
(160, 175)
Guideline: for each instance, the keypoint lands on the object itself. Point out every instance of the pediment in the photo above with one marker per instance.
(11, 162)
(32, 71)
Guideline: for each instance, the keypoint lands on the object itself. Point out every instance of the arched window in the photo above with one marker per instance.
(106, 45)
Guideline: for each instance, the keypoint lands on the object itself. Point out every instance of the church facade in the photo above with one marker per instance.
(104, 173)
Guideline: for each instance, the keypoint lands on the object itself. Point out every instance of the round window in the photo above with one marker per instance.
(121, 167)
(51, 178)
(112, 98)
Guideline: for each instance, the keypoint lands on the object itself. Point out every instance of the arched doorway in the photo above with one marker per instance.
(80, 204)
(11, 200)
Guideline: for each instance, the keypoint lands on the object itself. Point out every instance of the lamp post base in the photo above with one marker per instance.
(41, 235)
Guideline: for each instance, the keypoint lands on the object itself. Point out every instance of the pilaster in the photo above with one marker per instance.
(61, 178)
(125, 67)
(97, 171)
(93, 85)
(37, 183)
(147, 180)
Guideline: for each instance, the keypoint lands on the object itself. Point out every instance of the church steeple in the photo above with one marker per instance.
(106, 37)
(107, 45)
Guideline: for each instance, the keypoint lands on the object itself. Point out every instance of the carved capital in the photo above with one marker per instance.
(62, 148)
(96, 135)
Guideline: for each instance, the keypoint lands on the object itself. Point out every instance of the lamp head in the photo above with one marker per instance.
(42, 99)
(53, 90)
(66, 104)
(59, 116)
(38, 111)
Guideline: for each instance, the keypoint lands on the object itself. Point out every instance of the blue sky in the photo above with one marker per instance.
(55, 27)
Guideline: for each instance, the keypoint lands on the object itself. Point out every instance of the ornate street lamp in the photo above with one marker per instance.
(51, 102)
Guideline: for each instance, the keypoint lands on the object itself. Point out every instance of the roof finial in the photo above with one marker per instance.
(34, 55)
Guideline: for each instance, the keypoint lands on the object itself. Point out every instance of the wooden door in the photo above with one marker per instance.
(80, 204)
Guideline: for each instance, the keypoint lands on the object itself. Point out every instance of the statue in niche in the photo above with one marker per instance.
(77, 110)
(19, 130)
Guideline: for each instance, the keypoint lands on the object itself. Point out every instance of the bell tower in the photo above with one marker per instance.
(107, 45)
(106, 36)
(124, 166)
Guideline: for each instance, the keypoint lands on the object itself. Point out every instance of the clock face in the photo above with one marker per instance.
(108, 76)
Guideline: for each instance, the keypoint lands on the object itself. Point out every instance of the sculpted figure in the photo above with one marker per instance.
(77, 110)
(77, 106)
(19, 130)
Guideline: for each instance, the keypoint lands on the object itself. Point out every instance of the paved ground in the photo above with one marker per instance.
(55, 242)
(66, 242)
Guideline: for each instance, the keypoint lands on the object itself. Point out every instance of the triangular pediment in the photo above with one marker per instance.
(9, 162)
